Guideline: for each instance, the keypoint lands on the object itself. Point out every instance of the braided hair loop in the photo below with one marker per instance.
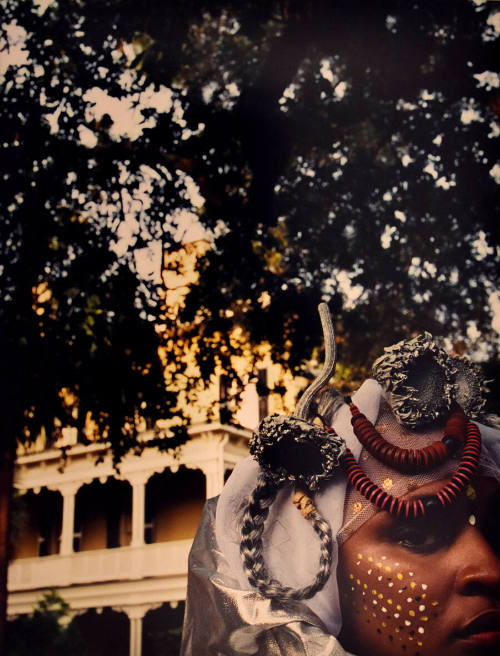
(251, 548)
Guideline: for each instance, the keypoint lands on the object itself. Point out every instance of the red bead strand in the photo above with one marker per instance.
(409, 460)
(415, 507)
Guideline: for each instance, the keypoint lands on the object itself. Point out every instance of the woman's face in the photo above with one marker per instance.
(425, 587)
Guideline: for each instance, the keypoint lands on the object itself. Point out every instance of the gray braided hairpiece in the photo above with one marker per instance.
(292, 451)
(251, 548)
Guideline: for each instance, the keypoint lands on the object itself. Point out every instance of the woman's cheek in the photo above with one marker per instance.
(392, 601)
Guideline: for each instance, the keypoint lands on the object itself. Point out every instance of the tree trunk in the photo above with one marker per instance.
(6, 481)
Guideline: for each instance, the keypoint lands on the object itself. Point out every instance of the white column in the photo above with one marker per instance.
(135, 615)
(138, 481)
(68, 517)
(135, 636)
(214, 476)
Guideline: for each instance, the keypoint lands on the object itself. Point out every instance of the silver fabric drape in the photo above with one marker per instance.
(223, 620)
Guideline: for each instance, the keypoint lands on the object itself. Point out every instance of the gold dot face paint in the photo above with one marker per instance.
(417, 574)
(400, 621)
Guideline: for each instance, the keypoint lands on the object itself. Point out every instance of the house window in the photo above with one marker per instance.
(149, 533)
(112, 528)
(77, 538)
(43, 546)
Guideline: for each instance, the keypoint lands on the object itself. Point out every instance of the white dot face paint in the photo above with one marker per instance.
(418, 583)
(397, 619)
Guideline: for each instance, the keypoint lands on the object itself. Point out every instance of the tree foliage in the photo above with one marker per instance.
(366, 146)
(330, 151)
(45, 632)
(77, 339)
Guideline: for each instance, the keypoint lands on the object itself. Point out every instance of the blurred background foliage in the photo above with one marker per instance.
(340, 151)
(46, 632)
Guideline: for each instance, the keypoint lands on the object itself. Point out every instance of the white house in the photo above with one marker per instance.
(114, 544)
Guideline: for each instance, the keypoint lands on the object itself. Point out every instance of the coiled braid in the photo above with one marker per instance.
(251, 550)
(303, 441)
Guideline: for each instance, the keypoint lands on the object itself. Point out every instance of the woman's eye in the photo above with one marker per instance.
(420, 537)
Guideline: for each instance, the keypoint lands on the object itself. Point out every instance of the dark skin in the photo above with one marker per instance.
(425, 587)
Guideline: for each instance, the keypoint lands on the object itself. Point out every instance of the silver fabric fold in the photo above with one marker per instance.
(223, 620)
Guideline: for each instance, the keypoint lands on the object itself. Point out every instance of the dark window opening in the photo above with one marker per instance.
(149, 533)
(77, 538)
(112, 529)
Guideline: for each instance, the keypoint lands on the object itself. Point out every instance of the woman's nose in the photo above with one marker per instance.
(479, 573)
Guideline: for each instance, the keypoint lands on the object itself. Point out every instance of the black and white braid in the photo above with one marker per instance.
(251, 548)
(292, 451)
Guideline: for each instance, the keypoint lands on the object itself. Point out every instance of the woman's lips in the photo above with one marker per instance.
(483, 629)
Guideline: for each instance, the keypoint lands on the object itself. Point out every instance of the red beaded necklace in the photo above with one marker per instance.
(409, 460)
(414, 508)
